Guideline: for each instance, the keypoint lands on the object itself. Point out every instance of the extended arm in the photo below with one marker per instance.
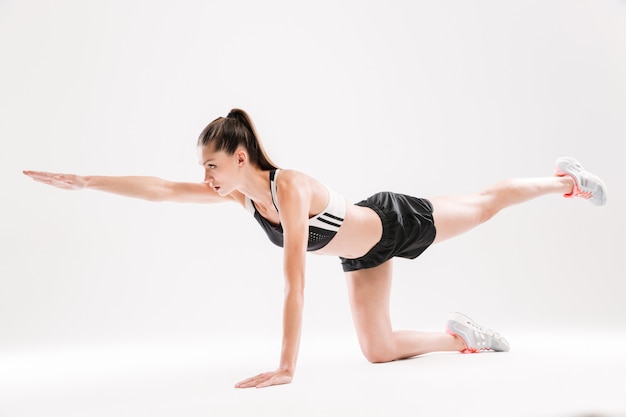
(147, 188)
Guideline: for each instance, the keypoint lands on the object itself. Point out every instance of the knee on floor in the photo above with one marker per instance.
(378, 353)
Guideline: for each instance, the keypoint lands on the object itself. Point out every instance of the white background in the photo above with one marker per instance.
(425, 98)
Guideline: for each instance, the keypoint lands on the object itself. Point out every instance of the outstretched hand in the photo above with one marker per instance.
(266, 379)
(64, 181)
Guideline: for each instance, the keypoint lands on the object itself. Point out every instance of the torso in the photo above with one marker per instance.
(359, 231)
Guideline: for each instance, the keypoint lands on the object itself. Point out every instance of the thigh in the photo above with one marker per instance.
(369, 292)
(454, 215)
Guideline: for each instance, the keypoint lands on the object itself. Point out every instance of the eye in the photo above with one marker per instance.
(210, 166)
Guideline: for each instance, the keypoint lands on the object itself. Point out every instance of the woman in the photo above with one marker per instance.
(301, 214)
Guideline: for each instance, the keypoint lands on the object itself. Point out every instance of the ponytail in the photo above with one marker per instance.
(234, 130)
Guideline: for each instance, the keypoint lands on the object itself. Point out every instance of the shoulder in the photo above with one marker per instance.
(290, 177)
(294, 188)
(293, 182)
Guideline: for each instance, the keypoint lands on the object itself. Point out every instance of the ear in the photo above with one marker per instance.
(241, 156)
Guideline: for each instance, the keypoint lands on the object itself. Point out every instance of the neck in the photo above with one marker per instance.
(257, 187)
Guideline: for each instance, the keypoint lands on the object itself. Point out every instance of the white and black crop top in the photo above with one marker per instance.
(322, 227)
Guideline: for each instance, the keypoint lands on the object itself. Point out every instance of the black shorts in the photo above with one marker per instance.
(408, 229)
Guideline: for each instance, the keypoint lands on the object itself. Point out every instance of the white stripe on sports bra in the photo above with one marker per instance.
(331, 218)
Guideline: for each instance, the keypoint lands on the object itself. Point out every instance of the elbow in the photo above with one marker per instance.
(295, 289)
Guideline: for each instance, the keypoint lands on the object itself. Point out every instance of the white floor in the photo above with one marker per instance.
(572, 375)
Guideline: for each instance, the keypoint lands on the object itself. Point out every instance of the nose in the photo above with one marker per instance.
(207, 178)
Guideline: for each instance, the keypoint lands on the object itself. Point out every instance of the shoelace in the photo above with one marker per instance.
(483, 332)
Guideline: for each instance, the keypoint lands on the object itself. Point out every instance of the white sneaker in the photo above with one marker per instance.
(586, 185)
(475, 337)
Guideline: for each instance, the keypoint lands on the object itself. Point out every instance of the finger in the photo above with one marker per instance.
(266, 384)
(250, 382)
(277, 380)
(42, 180)
(35, 174)
(253, 378)
(246, 385)
(31, 174)
(53, 181)
(61, 178)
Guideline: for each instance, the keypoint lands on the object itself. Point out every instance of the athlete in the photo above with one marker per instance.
(300, 214)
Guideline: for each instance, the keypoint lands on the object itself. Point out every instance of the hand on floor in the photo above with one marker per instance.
(266, 379)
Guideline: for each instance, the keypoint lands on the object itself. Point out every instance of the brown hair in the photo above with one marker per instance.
(230, 132)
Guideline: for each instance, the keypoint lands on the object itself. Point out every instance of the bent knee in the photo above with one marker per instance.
(378, 353)
(489, 206)
(378, 357)
(488, 211)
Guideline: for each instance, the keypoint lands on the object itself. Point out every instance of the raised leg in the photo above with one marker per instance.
(457, 214)
(369, 292)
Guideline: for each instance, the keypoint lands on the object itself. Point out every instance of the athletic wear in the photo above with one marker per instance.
(322, 228)
(408, 229)
(586, 185)
(475, 337)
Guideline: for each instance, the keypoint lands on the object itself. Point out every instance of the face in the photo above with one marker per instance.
(221, 171)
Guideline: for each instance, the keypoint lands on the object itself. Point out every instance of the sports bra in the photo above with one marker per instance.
(322, 227)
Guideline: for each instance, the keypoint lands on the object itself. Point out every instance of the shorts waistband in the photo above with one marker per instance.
(373, 257)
